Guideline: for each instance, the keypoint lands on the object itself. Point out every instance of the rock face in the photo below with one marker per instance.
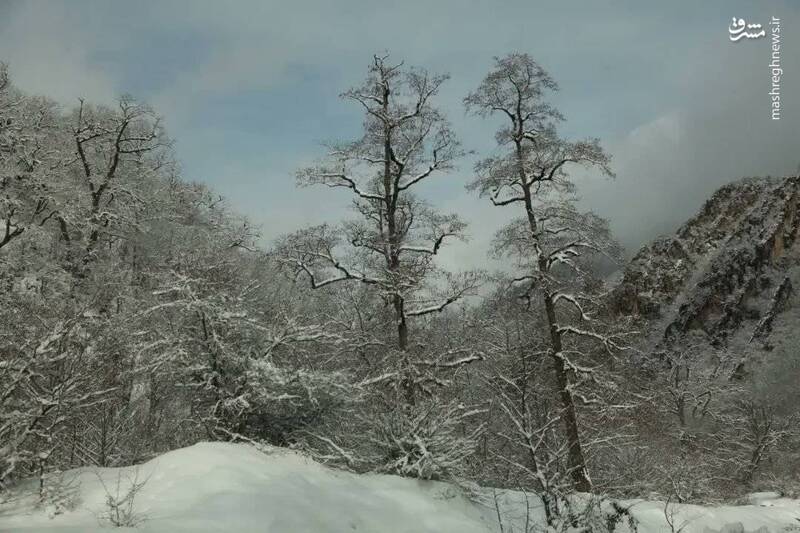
(728, 275)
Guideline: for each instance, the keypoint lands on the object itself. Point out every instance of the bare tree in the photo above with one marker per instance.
(553, 239)
(110, 143)
(696, 381)
(25, 160)
(44, 386)
(392, 244)
(120, 504)
(531, 432)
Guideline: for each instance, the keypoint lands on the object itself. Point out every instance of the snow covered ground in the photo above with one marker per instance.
(235, 488)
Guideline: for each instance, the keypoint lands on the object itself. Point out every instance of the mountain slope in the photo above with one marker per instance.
(728, 275)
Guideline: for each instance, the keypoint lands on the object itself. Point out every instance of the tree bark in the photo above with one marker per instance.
(392, 252)
(577, 461)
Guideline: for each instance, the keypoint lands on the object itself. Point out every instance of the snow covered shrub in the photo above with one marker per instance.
(426, 441)
(58, 492)
(595, 514)
(766, 420)
(274, 403)
(578, 513)
(120, 501)
(44, 388)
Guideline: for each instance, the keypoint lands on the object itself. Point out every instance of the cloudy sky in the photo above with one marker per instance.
(249, 90)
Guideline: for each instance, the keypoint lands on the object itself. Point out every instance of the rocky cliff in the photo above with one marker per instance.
(729, 275)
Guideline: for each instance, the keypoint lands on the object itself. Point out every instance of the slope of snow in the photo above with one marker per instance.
(236, 488)
(227, 487)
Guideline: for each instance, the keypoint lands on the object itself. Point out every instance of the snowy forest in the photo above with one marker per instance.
(140, 313)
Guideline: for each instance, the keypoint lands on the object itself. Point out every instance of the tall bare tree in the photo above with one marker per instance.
(113, 147)
(393, 242)
(553, 238)
(25, 159)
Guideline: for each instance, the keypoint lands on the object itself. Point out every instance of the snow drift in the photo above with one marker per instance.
(236, 488)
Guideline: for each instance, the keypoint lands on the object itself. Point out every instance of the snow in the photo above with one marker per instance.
(778, 515)
(237, 488)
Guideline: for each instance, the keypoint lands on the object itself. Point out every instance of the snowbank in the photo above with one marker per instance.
(235, 488)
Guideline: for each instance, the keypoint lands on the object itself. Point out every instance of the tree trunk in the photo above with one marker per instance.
(402, 344)
(577, 461)
(392, 253)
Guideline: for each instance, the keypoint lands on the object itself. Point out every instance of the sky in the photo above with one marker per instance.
(249, 89)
